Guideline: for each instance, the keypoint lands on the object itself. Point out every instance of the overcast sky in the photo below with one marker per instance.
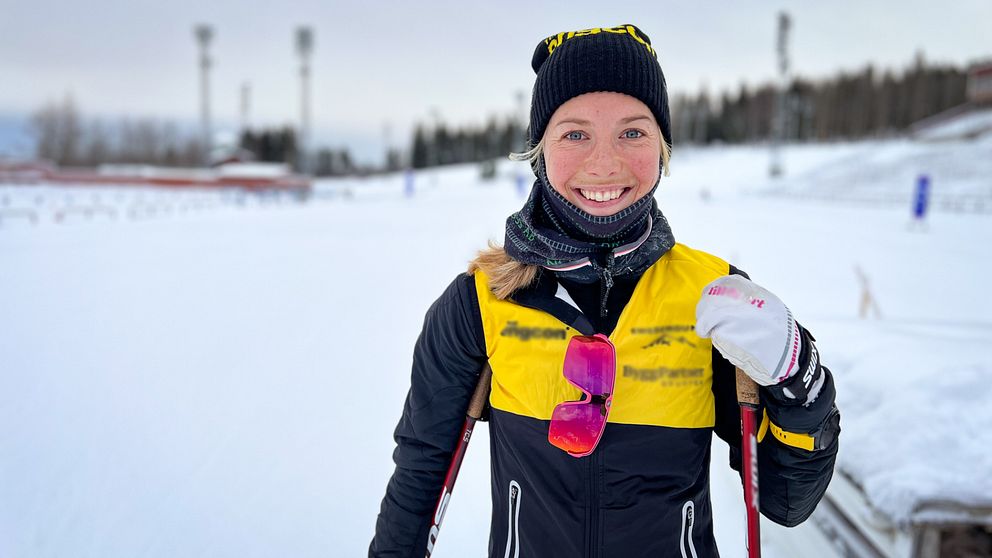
(396, 62)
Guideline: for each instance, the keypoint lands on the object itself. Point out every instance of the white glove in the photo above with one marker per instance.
(751, 328)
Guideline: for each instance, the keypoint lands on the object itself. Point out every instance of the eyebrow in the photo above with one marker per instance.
(582, 122)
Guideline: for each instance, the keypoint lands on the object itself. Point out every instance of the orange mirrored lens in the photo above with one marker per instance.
(577, 426)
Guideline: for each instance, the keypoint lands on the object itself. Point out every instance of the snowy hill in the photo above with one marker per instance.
(206, 374)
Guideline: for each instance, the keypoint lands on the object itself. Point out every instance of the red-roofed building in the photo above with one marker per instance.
(980, 83)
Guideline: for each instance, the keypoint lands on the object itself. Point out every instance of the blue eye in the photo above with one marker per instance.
(633, 134)
(575, 136)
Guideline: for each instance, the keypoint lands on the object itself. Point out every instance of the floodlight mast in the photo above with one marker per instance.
(780, 113)
(204, 34)
(304, 48)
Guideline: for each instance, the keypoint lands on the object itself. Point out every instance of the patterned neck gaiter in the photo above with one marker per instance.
(551, 232)
(606, 231)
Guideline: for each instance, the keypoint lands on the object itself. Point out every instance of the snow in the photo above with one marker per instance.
(873, 173)
(207, 374)
(940, 452)
(971, 123)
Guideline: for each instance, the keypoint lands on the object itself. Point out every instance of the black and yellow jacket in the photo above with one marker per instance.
(645, 490)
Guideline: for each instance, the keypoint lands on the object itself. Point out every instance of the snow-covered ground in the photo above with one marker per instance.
(195, 374)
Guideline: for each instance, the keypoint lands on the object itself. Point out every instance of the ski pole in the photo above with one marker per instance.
(747, 397)
(475, 407)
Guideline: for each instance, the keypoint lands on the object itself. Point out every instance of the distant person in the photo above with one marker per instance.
(591, 290)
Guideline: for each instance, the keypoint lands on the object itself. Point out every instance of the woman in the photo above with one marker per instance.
(612, 347)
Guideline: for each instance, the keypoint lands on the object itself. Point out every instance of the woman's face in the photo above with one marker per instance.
(602, 151)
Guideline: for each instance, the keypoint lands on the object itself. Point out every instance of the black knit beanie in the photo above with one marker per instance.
(619, 59)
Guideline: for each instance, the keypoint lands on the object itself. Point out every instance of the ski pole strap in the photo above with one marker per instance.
(809, 442)
(747, 394)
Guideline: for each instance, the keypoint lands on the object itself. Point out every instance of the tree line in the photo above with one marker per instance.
(441, 145)
(847, 106)
(65, 137)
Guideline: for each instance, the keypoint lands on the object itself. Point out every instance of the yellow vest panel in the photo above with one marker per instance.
(664, 370)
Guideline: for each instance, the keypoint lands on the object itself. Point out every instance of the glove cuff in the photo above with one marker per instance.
(803, 387)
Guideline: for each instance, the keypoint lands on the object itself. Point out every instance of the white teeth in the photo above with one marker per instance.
(601, 195)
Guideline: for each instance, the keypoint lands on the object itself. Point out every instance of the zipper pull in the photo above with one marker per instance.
(606, 275)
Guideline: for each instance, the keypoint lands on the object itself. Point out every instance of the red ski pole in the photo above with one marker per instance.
(475, 407)
(747, 396)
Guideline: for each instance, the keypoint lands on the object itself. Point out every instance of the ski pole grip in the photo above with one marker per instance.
(481, 394)
(747, 389)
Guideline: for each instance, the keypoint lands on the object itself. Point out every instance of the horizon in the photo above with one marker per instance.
(369, 149)
(406, 73)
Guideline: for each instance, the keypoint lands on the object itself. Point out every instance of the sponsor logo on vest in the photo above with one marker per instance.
(513, 329)
(655, 330)
(665, 376)
(665, 335)
(665, 340)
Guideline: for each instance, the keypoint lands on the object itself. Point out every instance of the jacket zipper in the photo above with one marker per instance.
(592, 524)
(685, 536)
(512, 529)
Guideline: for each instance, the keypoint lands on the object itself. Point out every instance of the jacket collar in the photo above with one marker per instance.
(544, 295)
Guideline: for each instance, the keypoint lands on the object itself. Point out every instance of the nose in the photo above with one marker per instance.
(604, 159)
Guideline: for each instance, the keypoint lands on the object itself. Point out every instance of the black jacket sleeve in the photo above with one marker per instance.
(791, 480)
(447, 359)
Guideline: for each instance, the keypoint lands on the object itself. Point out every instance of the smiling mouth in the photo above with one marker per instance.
(603, 195)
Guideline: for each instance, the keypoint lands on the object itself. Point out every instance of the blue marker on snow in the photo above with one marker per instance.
(408, 183)
(922, 197)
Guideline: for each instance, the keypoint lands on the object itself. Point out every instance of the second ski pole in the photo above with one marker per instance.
(747, 397)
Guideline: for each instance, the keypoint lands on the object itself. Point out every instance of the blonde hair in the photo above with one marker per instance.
(506, 275)
(531, 155)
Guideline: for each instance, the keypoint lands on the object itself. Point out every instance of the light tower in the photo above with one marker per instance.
(304, 47)
(204, 34)
(780, 111)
